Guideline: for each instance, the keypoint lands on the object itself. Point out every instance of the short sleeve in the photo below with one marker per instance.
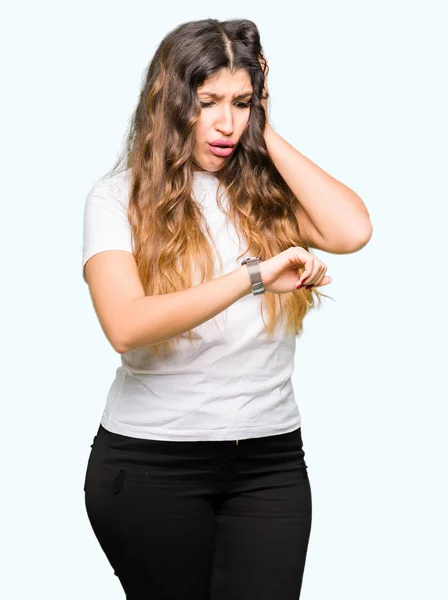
(105, 223)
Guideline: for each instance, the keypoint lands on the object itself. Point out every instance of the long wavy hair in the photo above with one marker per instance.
(167, 224)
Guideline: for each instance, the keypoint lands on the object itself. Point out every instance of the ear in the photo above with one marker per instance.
(265, 69)
(264, 64)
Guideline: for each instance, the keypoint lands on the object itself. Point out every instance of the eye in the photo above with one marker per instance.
(206, 104)
(244, 104)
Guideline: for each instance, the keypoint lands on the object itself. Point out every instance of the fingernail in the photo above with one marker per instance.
(299, 285)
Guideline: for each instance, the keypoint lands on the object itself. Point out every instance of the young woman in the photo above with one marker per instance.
(196, 485)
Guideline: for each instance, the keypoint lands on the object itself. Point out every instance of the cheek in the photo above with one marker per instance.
(244, 121)
(202, 126)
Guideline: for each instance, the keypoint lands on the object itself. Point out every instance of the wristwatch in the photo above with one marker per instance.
(253, 265)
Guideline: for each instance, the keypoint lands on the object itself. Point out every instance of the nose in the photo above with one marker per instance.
(224, 123)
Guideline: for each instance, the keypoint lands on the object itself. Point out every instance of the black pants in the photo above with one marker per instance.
(201, 520)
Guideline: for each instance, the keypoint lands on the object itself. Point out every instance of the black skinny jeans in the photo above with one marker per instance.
(206, 520)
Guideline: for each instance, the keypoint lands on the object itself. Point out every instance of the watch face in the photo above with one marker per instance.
(251, 258)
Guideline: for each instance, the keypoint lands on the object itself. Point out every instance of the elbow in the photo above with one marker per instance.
(347, 244)
(361, 239)
(118, 344)
(353, 243)
(125, 344)
(366, 236)
(121, 345)
(120, 349)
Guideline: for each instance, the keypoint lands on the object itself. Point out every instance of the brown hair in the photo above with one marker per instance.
(167, 224)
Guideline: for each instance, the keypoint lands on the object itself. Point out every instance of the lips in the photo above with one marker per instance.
(221, 147)
(222, 143)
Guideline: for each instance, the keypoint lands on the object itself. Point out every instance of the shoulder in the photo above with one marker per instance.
(113, 189)
(105, 224)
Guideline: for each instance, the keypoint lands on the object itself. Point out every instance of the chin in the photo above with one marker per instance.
(208, 165)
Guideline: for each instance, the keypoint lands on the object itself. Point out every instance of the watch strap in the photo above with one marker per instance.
(253, 266)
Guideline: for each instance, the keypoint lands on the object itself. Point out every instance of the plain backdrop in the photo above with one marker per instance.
(359, 88)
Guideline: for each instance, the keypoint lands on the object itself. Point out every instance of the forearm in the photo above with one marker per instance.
(154, 319)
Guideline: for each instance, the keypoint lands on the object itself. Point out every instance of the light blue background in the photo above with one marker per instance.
(358, 87)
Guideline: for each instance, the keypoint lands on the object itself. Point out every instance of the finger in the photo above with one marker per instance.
(302, 260)
(312, 278)
(318, 275)
(308, 270)
(325, 281)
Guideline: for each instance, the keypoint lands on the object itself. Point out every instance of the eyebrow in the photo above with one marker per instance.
(216, 96)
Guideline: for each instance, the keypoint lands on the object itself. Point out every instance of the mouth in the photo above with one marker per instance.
(221, 148)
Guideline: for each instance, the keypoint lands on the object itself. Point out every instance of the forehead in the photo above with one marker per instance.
(227, 83)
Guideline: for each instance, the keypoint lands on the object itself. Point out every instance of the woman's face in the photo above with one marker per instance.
(225, 108)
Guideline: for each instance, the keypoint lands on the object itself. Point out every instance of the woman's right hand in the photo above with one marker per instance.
(280, 274)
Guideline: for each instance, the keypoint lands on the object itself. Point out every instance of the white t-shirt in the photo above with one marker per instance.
(233, 383)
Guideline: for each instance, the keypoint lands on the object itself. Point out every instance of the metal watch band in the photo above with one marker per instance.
(253, 266)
